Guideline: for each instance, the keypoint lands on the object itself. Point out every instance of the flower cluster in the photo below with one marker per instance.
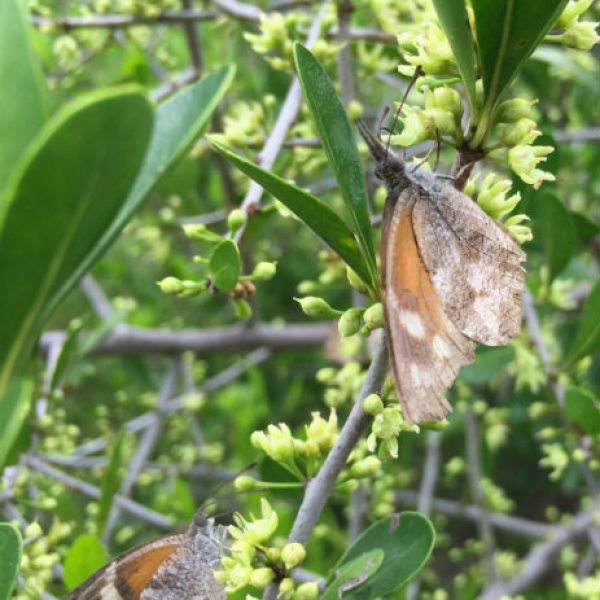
(255, 560)
(578, 34)
(342, 384)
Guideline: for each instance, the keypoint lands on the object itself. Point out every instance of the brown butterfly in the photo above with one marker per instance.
(451, 278)
(173, 567)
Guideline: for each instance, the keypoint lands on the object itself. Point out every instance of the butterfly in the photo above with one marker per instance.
(173, 567)
(451, 279)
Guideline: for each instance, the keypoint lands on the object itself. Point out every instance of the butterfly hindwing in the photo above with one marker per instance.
(426, 349)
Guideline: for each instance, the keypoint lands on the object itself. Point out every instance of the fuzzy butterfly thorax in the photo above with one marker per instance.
(451, 279)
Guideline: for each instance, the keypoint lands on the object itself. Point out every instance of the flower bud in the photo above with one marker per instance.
(314, 306)
(200, 232)
(581, 35)
(307, 287)
(262, 577)
(356, 282)
(524, 131)
(170, 285)
(264, 271)
(235, 220)
(521, 232)
(350, 322)
(293, 554)
(515, 109)
(354, 110)
(286, 587)
(374, 317)
(367, 467)
(307, 591)
(373, 404)
(244, 483)
(243, 310)
(326, 375)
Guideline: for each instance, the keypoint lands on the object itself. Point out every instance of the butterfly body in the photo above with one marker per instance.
(451, 279)
(173, 567)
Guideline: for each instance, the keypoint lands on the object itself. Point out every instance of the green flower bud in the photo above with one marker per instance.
(373, 405)
(312, 306)
(523, 160)
(446, 99)
(262, 577)
(511, 111)
(307, 287)
(235, 220)
(170, 285)
(354, 110)
(367, 467)
(521, 232)
(524, 131)
(244, 483)
(200, 232)
(374, 317)
(326, 375)
(293, 554)
(307, 591)
(356, 282)
(264, 271)
(286, 587)
(581, 35)
(350, 321)
(243, 310)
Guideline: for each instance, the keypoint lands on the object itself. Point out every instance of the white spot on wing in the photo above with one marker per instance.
(412, 323)
(441, 347)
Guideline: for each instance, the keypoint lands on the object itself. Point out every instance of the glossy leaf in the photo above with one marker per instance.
(111, 482)
(14, 407)
(69, 188)
(315, 213)
(507, 32)
(455, 23)
(225, 265)
(84, 558)
(178, 123)
(407, 540)
(583, 409)
(340, 147)
(353, 574)
(587, 338)
(10, 553)
(23, 107)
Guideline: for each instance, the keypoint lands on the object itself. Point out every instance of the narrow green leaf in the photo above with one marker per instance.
(225, 265)
(587, 338)
(70, 186)
(23, 107)
(583, 409)
(83, 559)
(68, 352)
(508, 31)
(353, 574)
(489, 362)
(338, 141)
(10, 551)
(455, 23)
(14, 407)
(407, 540)
(315, 213)
(178, 123)
(111, 482)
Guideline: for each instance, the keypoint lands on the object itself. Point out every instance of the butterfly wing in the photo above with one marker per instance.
(426, 348)
(126, 577)
(474, 265)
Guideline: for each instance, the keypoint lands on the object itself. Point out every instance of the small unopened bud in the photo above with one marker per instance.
(373, 405)
(373, 316)
(307, 591)
(200, 232)
(524, 131)
(313, 306)
(243, 310)
(235, 220)
(244, 483)
(262, 577)
(354, 110)
(511, 111)
(264, 271)
(367, 467)
(170, 285)
(293, 554)
(349, 322)
(286, 587)
(356, 282)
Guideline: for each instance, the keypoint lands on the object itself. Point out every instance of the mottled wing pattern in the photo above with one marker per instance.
(127, 576)
(426, 349)
(474, 265)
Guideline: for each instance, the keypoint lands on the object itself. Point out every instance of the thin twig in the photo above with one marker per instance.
(344, 62)
(320, 487)
(96, 297)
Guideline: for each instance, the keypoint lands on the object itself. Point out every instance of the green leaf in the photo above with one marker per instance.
(407, 540)
(84, 558)
(14, 407)
(315, 213)
(22, 89)
(225, 265)
(10, 551)
(351, 575)
(178, 123)
(508, 31)
(554, 229)
(488, 363)
(68, 352)
(583, 409)
(587, 338)
(70, 186)
(111, 482)
(455, 23)
(585, 229)
(338, 141)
